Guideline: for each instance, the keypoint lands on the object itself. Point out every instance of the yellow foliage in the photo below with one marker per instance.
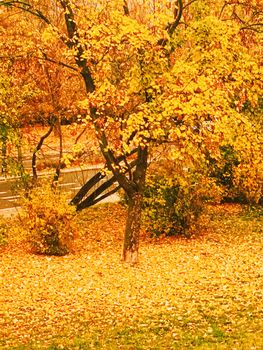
(49, 36)
(48, 221)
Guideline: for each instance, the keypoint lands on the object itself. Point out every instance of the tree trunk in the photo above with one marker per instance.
(58, 132)
(34, 155)
(132, 230)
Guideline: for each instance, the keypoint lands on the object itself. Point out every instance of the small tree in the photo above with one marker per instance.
(48, 221)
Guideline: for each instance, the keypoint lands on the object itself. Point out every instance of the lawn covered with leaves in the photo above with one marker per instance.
(201, 293)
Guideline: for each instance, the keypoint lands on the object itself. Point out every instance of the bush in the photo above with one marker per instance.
(238, 174)
(48, 221)
(223, 171)
(172, 206)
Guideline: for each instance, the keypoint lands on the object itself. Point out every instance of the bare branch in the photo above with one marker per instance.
(106, 195)
(252, 27)
(46, 58)
(24, 6)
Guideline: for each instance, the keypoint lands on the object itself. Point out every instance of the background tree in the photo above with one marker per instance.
(13, 96)
(51, 100)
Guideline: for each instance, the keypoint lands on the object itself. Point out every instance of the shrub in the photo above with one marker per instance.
(48, 221)
(223, 171)
(172, 206)
(239, 174)
(239, 167)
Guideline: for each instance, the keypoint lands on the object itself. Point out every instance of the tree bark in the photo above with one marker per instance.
(132, 230)
(58, 167)
(135, 200)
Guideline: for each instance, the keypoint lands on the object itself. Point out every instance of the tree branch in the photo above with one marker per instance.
(39, 145)
(177, 16)
(60, 63)
(86, 187)
(24, 6)
(87, 202)
(69, 18)
(94, 180)
(126, 8)
(93, 197)
(106, 195)
(251, 27)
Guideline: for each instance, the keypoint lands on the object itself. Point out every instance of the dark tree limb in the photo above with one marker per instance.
(59, 165)
(69, 19)
(96, 196)
(86, 187)
(75, 42)
(170, 28)
(38, 147)
(93, 197)
(3, 139)
(95, 180)
(256, 27)
(106, 195)
(126, 8)
(59, 63)
(81, 133)
(177, 16)
(112, 163)
(24, 6)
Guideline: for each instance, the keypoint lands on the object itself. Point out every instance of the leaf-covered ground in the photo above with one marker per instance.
(202, 293)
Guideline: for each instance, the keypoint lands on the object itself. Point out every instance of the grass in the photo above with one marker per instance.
(198, 293)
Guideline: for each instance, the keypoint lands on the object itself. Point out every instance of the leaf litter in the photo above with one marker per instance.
(208, 287)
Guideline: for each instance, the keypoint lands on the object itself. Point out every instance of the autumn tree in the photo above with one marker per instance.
(154, 72)
(13, 96)
(50, 100)
(118, 137)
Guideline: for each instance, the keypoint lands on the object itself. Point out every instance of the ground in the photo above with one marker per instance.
(200, 293)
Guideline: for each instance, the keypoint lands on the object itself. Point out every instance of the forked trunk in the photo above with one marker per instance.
(132, 230)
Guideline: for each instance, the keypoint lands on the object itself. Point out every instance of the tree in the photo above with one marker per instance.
(91, 65)
(151, 79)
(12, 98)
(27, 69)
